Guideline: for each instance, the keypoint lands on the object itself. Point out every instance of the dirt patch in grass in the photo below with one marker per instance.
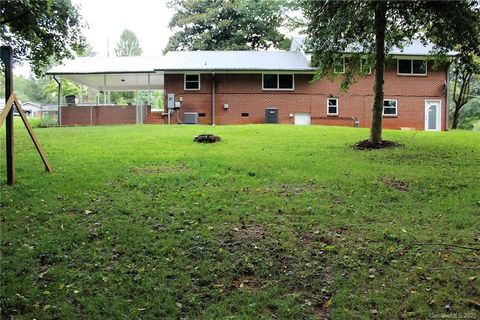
(367, 145)
(247, 283)
(396, 184)
(163, 169)
(297, 263)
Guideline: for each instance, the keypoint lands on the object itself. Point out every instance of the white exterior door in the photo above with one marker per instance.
(433, 112)
(302, 119)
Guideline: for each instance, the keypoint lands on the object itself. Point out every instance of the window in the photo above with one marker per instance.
(201, 114)
(277, 82)
(332, 106)
(411, 67)
(365, 66)
(390, 107)
(192, 82)
(245, 114)
(339, 66)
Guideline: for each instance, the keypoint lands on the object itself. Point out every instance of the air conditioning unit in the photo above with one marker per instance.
(190, 117)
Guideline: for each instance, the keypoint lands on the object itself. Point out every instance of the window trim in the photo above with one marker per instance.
(343, 63)
(396, 109)
(328, 106)
(278, 82)
(369, 67)
(411, 66)
(185, 81)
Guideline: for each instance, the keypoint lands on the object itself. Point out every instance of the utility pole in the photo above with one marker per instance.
(6, 55)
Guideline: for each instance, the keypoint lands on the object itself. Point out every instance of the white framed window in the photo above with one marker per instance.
(339, 65)
(332, 106)
(191, 81)
(278, 81)
(365, 66)
(389, 107)
(412, 67)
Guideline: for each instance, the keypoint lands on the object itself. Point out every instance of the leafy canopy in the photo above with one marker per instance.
(337, 27)
(227, 25)
(41, 31)
(128, 45)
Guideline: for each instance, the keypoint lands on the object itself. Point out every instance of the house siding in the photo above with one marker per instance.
(243, 93)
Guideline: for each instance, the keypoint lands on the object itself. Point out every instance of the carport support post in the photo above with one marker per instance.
(104, 89)
(6, 55)
(148, 102)
(59, 99)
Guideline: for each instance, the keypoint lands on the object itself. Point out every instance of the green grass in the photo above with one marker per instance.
(273, 222)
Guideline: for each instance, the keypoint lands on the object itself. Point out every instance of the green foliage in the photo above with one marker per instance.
(128, 45)
(156, 98)
(140, 222)
(227, 25)
(31, 89)
(464, 85)
(337, 27)
(469, 115)
(68, 88)
(41, 30)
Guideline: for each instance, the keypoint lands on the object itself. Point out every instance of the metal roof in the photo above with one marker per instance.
(188, 61)
(234, 61)
(100, 65)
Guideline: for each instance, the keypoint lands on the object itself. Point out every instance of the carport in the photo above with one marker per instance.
(104, 75)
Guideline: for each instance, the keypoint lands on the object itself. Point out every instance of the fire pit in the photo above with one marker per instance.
(206, 138)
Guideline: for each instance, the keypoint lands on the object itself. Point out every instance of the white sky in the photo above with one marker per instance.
(106, 19)
(148, 19)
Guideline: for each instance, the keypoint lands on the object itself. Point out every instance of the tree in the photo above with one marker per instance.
(372, 28)
(41, 30)
(466, 84)
(128, 45)
(226, 25)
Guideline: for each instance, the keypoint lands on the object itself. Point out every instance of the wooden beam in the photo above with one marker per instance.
(6, 56)
(6, 109)
(32, 135)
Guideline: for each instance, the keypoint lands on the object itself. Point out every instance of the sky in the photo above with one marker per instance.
(148, 19)
(106, 20)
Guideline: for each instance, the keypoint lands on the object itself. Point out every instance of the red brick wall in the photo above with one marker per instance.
(243, 93)
(98, 115)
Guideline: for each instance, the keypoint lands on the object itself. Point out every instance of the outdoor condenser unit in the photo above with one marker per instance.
(190, 118)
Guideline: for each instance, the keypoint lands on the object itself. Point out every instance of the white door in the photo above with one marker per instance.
(302, 119)
(432, 115)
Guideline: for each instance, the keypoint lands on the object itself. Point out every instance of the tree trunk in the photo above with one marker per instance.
(377, 109)
(456, 113)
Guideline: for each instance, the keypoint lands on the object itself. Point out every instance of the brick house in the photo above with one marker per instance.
(243, 87)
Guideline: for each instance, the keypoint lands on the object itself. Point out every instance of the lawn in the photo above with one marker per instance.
(273, 222)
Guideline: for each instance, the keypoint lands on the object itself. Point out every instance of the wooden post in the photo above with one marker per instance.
(6, 54)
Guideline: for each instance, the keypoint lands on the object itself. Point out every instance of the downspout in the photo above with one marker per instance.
(213, 98)
(447, 100)
(59, 101)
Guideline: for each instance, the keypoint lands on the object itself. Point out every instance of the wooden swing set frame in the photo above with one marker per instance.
(7, 114)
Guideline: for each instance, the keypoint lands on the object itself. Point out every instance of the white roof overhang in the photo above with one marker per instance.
(118, 81)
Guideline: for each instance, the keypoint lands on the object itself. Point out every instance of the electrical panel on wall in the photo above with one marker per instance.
(170, 100)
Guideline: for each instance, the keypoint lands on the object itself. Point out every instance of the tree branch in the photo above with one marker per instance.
(15, 17)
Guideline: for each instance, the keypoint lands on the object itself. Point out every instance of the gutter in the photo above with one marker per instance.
(447, 100)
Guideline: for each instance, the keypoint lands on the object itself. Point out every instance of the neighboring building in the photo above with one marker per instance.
(32, 109)
(241, 87)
